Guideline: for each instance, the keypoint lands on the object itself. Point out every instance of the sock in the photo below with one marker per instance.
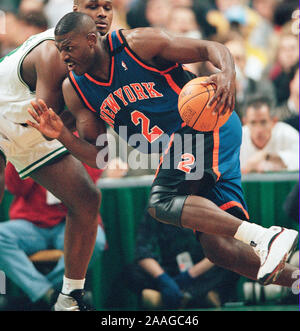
(249, 233)
(70, 285)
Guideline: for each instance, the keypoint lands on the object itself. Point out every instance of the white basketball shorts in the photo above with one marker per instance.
(26, 148)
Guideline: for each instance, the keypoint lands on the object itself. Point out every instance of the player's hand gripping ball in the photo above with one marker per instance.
(193, 106)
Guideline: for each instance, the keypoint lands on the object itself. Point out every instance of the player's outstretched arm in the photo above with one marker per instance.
(90, 128)
(162, 46)
(50, 125)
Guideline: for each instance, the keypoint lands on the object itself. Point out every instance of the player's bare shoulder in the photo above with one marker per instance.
(49, 60)
(147, 42)
(44, 63)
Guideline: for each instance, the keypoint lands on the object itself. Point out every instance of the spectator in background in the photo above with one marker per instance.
(235, 14)
(157, 12)
(121, 8)
(31, 23)
(267, 145)
(136, 13)
(182, 20)
(289, 110)
(286, 62)
(283, 12)
(181, 3)
(8, 40)
(135, 16)
(28, 6)
(170, 261)
(37, 222)
(19, 27)
(265, 8)
(56, 9)
(245, 85)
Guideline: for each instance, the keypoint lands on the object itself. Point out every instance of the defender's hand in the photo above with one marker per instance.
(225, 93)
(47, 121)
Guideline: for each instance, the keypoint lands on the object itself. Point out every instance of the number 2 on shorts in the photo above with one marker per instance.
(186, 164)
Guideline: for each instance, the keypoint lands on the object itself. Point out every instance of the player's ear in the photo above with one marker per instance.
(92, 39)
(75, 8)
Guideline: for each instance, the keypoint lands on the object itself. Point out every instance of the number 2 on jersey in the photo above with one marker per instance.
(150, 134)
(188, 161)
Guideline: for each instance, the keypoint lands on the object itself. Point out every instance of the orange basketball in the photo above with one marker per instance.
(192, 106)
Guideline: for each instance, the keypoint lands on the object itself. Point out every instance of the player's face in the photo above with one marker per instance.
(260, 124)
(101, 11)
(77, 51)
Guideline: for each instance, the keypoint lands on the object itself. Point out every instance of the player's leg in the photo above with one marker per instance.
(201, 211)
(68, 181)
(174, 200)
(64, 176)
(213, 220)
(236, 256)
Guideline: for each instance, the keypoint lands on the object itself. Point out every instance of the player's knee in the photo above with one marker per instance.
(93, 199)
(165, 205)
(87, 203)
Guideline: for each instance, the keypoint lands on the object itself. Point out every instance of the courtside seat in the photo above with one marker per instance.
(46, 260)
(46, 256)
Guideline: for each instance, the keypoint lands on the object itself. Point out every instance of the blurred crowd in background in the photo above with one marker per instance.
(262, 35)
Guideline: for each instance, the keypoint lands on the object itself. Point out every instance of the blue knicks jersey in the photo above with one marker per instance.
(138, 96)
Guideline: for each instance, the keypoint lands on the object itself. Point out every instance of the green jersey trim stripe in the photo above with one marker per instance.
(42, 162)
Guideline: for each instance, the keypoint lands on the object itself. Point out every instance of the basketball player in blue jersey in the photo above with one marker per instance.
(34, 71)
(132, 78)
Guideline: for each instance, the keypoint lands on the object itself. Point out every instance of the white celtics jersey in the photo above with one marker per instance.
(15, 95)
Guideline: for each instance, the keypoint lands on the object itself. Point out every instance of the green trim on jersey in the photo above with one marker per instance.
(42, 162)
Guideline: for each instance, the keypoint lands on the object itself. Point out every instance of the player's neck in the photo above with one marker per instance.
(101, 67)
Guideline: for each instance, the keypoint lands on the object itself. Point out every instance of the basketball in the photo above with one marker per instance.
(192, 106)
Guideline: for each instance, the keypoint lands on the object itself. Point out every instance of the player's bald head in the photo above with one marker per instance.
(75, 22)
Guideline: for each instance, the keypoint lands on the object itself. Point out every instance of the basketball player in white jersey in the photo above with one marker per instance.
(31, 72)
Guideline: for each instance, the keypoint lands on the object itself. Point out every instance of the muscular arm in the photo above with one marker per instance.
(153, 44)
(50, 73)
(159, 48)
(89, 128)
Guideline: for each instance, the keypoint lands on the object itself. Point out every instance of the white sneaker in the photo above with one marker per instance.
(274, 249)
(71, 302)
